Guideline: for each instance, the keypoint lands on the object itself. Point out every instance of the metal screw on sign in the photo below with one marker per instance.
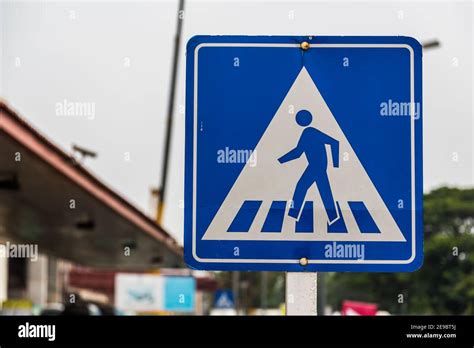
(304, 261)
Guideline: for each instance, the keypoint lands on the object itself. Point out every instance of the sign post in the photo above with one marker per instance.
(301, 293)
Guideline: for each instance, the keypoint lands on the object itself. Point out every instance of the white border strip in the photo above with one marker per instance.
(412, 134)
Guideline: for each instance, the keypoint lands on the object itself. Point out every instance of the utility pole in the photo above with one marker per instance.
(169, 120)
(264, 291)
(235, 289)
(321, 286)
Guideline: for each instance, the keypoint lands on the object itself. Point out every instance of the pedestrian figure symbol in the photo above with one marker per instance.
(312, 144)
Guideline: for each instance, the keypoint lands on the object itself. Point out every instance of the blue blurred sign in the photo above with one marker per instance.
(179, 294)
(303, 158)
(224, 299)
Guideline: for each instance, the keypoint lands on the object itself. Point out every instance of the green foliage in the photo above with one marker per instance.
(443, 285)
(445, 282)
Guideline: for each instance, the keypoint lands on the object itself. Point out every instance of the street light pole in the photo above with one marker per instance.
(431, 44)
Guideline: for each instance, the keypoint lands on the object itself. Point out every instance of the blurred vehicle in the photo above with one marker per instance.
(81, 308)
(52, 309)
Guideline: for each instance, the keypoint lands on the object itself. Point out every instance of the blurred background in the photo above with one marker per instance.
(92, 157)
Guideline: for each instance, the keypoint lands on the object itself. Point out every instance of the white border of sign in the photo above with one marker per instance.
(412, 133)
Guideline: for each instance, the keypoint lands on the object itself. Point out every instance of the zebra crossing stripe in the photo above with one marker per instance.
(338, 226)
(363, 218)
(305, 222)
(244, 218)
(275, 216)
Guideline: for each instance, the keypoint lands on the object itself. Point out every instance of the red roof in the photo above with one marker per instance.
(23, 133)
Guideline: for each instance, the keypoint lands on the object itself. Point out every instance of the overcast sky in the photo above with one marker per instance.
(117, 55)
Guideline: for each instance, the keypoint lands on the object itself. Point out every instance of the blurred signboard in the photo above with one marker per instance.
(358, 308)
(17, 307)
(179, 294)
(144, 293)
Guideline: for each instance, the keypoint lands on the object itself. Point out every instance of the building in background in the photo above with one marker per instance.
(55, 215)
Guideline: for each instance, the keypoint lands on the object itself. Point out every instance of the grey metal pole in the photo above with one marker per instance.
(435, 43)
(301, 293)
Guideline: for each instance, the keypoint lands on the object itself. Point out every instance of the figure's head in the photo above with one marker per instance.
(304, 118)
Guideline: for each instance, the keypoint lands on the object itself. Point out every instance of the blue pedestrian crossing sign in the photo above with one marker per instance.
(303, 153)
(224, 299)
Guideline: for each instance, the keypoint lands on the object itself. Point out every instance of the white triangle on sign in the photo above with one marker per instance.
(269, 181)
